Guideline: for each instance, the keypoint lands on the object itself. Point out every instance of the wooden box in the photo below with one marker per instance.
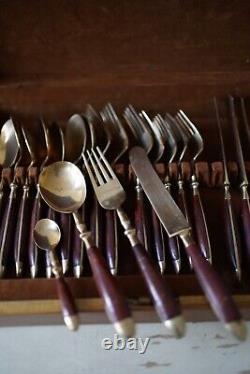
(57, 56)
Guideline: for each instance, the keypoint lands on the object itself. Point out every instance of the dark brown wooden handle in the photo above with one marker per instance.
(21, 231)
(68, 306)
(111, 241)
(213, 286)
(51, 215)
(232, 236)
(201, 226)
(140, 218)
(166, 305)
(115, 304)
(158, 241)
(32, 247)
(174, 250)
(65, 242)
(78, 248)
(97, 223)
(182, 203)
(8, 227)
(245, 215)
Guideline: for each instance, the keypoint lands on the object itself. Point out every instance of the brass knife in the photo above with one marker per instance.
(175, 223)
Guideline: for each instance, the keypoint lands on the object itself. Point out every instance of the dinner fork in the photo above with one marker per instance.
(111, 195)
(196, 145)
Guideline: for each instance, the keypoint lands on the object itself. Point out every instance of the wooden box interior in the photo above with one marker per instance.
(57, 56)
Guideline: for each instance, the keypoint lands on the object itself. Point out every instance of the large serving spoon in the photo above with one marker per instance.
(47, 235)
(63, 187)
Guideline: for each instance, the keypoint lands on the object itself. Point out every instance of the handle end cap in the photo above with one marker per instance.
(125, 327)
(177, 326)
(238, 329)
(72, 322)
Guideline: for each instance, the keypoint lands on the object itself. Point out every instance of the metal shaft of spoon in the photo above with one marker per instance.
(231, 227)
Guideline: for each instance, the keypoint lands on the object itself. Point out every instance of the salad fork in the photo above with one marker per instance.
(111, 195)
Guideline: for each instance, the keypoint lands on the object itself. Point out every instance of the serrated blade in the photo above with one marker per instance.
(165, 207)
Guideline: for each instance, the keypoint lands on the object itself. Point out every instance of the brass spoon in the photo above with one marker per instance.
(47, 235)
(9, 155)
(62, 186)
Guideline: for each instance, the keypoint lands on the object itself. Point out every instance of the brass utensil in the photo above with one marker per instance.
(111, 195)
(47, 236)
(62, 186)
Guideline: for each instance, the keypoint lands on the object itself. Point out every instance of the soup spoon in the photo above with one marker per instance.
(46, 236)
(63, 187)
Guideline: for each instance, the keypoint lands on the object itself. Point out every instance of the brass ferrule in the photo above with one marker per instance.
(129, 230)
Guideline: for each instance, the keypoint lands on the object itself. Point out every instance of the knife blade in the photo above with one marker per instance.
(175, 223)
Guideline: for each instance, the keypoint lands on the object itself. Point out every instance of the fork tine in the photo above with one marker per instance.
(97, 174)
(106, 163)
(188, 122)
(99, 164)
(91, 175)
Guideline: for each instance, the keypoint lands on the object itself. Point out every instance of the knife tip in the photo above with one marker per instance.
(78, 271)
(65, 265)
(177, 326)
(162, 266)
(238, 329)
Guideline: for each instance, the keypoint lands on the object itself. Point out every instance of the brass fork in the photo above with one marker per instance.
(111, 195)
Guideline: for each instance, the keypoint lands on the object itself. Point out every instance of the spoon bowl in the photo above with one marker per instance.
(47, 234)
(9, 145)
(62, 186)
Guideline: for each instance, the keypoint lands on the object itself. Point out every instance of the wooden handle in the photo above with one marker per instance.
(245, 215)
(68, 306)
(182, 203)
(201, 226)
(158, 241)
(140, 218)
(21, 231)
(97, 223)
(8, 226)
(65, 243)
(114, 302)
(166, 305)
(232, 235)
(111, 241)
(215, 290)
(174, 250)
(32, 247)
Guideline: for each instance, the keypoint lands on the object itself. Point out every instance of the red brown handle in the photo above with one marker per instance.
(174, 250)
(140, 218)
(65, 243)
(232, 235)
(158, 241)
(114, 302)
(215, 290)
(78, 247)
(182, 203)
(166, 305)
(7, 229)
(51, 215)
(201, 225)
(68, 306)
(111, 241)
(245, 215)
(32, 247)
(21, 231)
(97, 223)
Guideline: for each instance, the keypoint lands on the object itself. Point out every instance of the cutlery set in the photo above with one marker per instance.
(64, 162)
